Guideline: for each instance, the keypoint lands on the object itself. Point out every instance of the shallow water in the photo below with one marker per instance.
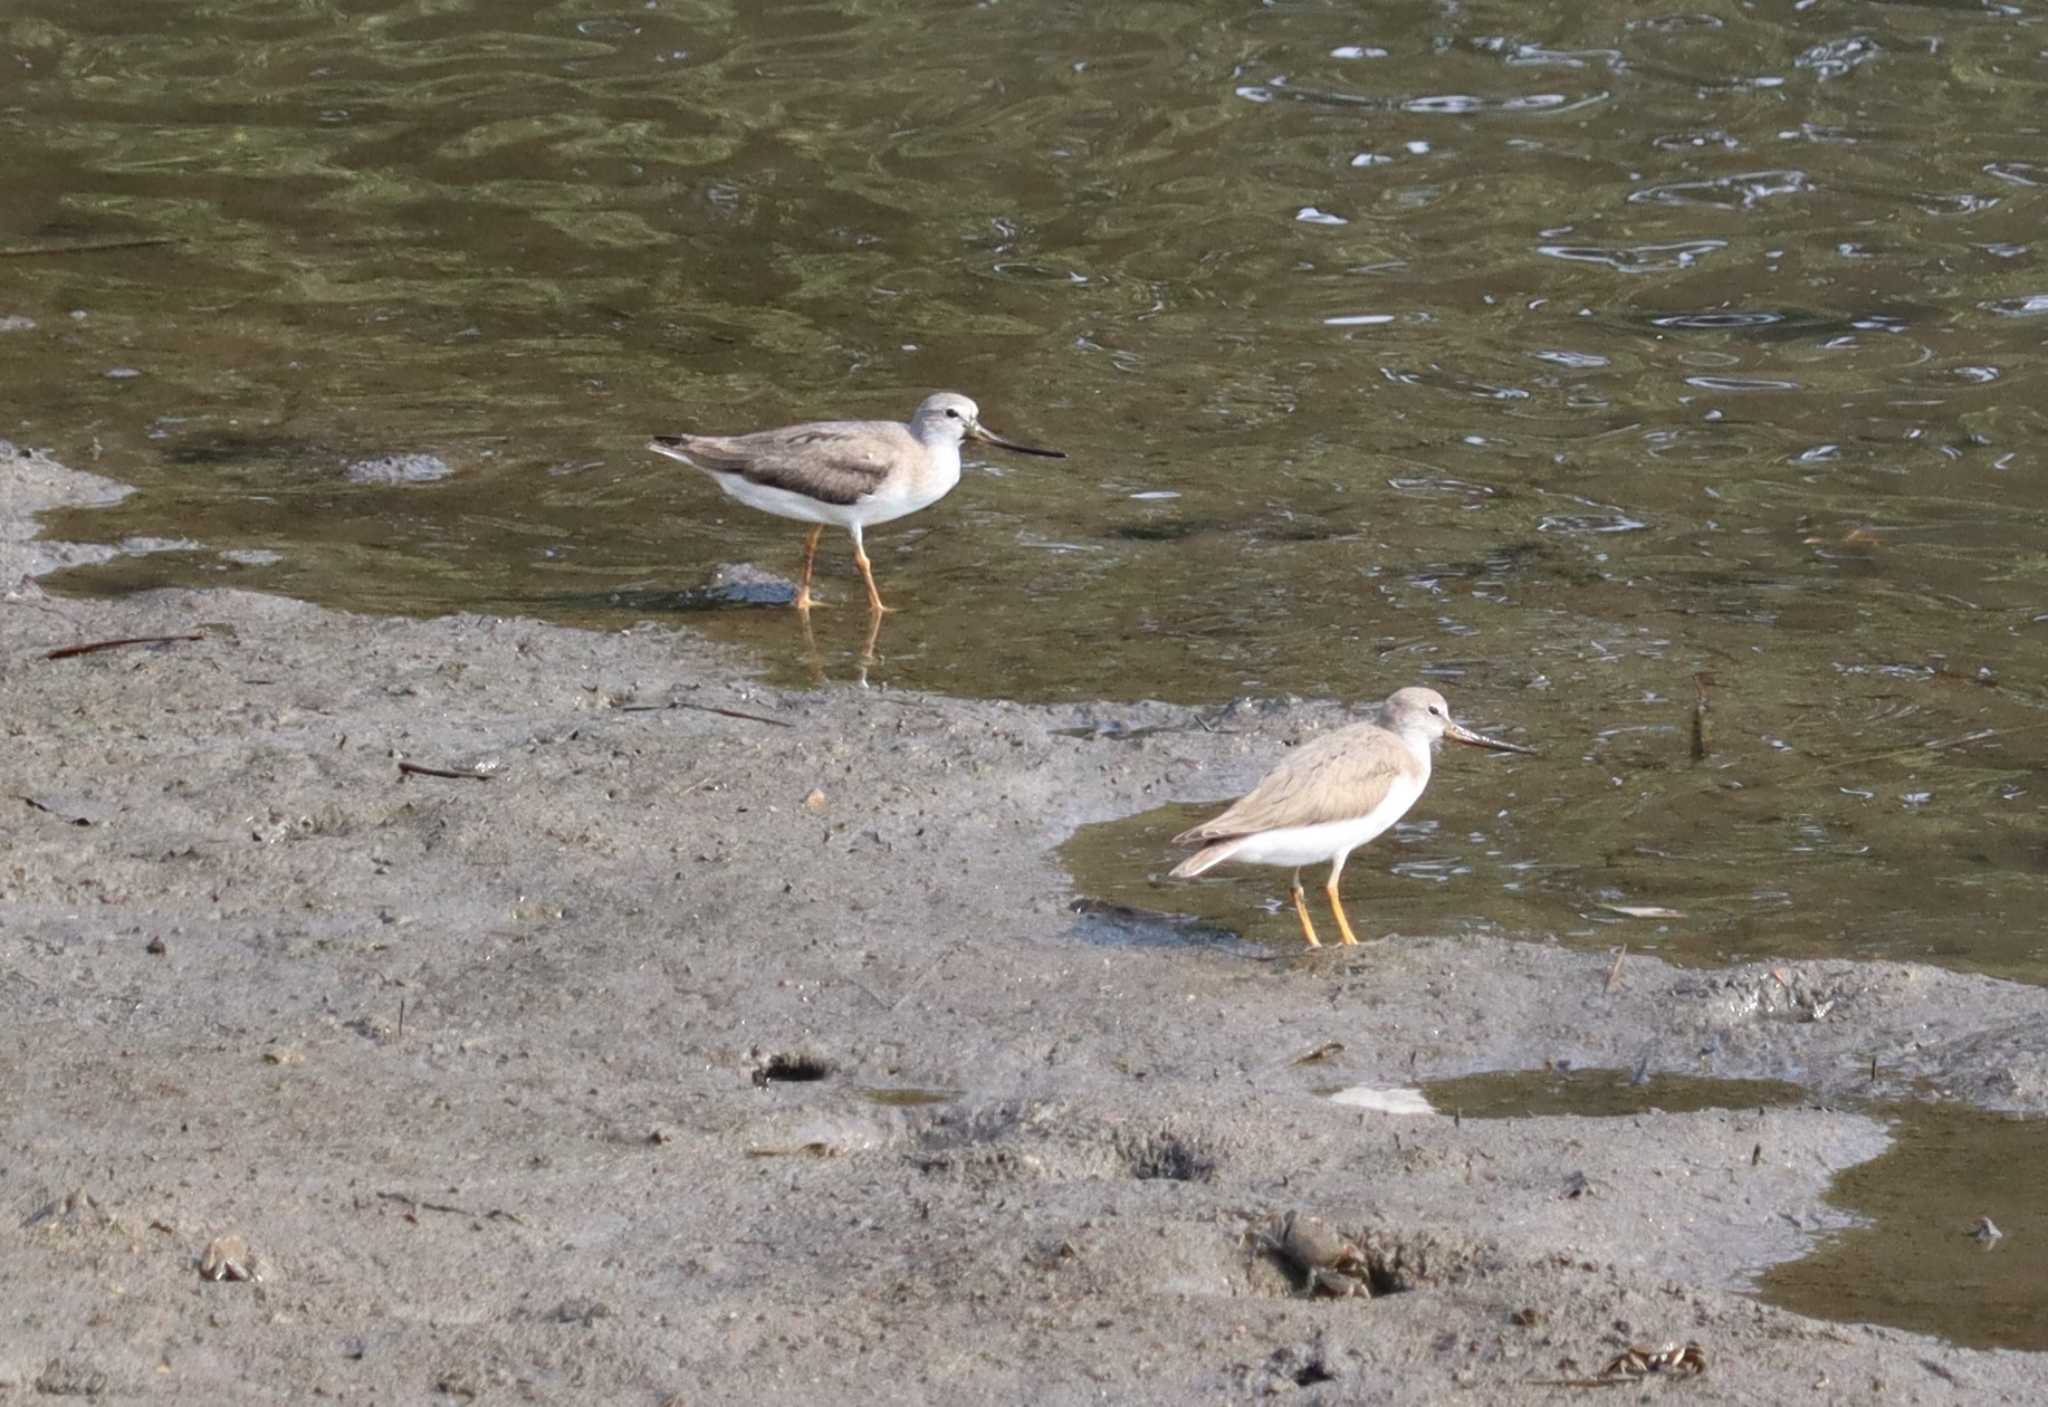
(1599, 1094)
(1554, 354)
(1913, 1261)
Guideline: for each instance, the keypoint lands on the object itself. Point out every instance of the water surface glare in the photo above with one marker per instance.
(1553, 354)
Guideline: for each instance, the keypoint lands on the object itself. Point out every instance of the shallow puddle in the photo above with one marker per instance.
(1918, 1259)
(1916, 1264)
(1120, 869)
(907, 1097)
(1600, 1094)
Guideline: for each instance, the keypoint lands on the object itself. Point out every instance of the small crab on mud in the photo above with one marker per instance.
(1636, 1361)
(1322, 1261)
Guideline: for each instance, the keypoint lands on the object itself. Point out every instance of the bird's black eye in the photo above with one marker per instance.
(951, 413)
(1435, 710)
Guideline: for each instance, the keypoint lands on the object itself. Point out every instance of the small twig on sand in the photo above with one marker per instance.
(1614, 972)
(65, 652)
(415, 769)
(733, 713)
(406, 1199)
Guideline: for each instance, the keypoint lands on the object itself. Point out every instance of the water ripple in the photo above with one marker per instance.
(1725, 320)
(1745, 191)
(1740, 383)
(1604, 519)
(1965, 203)
(1696, 141)
(1677, 24)
(1637, 259)
(2020, 173)
(1576, 361)
(1464, 103)
(1836, 57)
(2031, 306)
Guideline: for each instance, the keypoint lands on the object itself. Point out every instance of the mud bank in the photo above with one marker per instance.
(700, 1042)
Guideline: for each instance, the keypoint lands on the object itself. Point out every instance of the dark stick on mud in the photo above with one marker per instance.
(415, 769)
(734, 713)
(416, 1205)
(65, 652)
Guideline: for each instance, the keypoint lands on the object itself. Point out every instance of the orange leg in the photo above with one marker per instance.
(867, 646)
(867, 574)
(803, 586)
(1308, 929)
(1336, 904)
(814, 663)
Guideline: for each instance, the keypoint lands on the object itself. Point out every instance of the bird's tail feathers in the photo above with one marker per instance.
(1207, 858)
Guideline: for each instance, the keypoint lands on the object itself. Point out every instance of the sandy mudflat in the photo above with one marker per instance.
(576, 1170)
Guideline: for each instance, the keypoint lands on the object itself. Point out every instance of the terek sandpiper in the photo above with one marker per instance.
(1333, 794)
(849, 472)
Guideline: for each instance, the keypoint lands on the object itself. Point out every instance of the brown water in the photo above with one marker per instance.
(1551, 353)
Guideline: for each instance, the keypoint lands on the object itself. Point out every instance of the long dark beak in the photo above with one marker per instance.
(981, 432)
(1460, 734)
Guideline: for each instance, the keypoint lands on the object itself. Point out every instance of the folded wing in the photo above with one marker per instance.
(839, 462)
(1323, 780)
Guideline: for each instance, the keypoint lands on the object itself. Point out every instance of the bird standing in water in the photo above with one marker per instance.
(1331, 795)
(846, 472)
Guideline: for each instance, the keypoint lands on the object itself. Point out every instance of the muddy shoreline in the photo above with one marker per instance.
(700, 1041)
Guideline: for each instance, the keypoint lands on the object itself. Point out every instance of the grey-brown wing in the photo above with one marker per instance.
(833, 461)
(1337, 777)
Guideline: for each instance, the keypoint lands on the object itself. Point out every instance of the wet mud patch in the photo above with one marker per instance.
(1124, 926)
(1012, 1142)
(1596, 1093)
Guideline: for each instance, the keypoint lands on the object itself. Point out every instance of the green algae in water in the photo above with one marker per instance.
(1914, 1263)
(1600, 1094)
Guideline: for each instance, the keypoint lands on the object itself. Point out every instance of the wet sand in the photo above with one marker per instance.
(676, 1054)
